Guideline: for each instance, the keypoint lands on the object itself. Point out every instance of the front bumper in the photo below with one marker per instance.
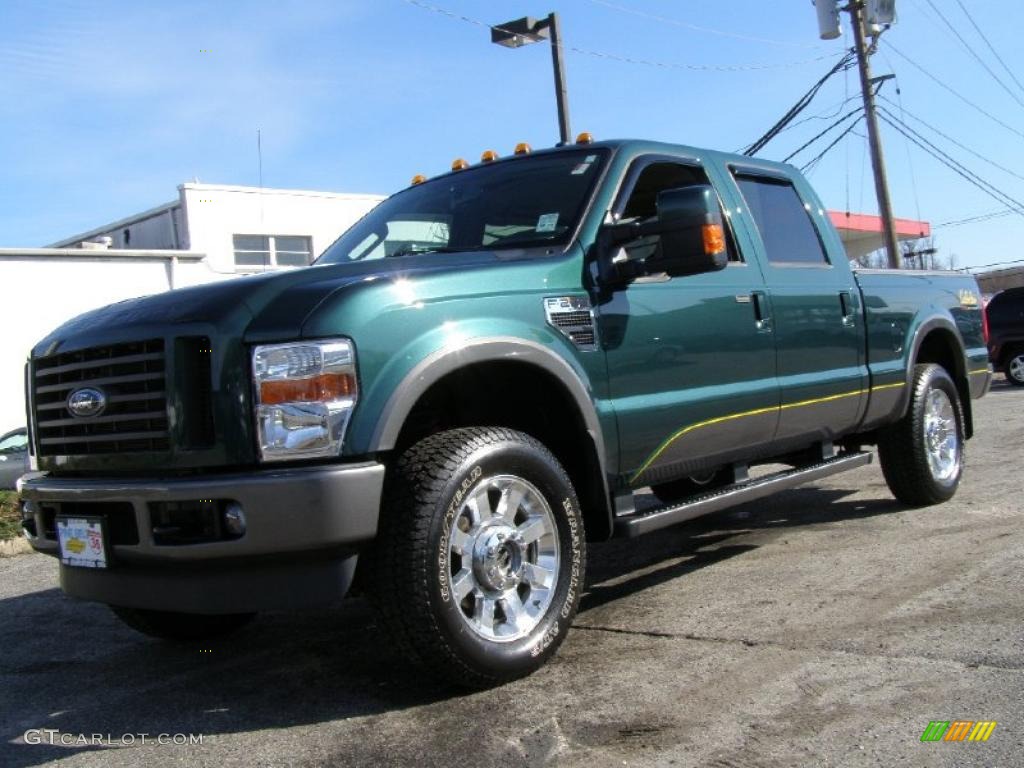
(304, 527)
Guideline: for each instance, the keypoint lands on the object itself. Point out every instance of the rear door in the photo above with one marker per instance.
(691, 369)
(817, 313)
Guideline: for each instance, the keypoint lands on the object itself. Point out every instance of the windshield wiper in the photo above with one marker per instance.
(416, 250)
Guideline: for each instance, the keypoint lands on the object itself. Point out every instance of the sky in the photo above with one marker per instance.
(105, 107)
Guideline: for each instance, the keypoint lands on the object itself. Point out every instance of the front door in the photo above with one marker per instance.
(690, 364)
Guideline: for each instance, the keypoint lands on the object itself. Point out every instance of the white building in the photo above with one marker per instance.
(239, 229)
(211, 232)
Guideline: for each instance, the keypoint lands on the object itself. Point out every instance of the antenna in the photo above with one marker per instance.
(259, 157)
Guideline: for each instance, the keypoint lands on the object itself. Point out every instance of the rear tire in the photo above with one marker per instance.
(181, 627)
(1014, 368)
(675, 490)
(922, 454)
(480, 556)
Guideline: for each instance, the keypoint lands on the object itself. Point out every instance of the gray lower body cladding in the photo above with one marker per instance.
(303, 529)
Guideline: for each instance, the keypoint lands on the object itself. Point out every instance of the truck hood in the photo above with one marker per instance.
(259, 307)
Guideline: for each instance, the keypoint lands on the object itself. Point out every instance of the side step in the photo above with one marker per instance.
(645, 522)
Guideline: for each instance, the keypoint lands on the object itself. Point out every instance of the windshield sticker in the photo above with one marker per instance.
(580, 169)
(547, 222)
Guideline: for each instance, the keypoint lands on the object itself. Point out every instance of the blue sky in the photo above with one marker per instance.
(105, 107)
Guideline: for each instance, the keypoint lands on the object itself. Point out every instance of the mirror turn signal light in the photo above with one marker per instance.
(522, 148)
(419, 178)
(488, 156)
(458, 164)
(585, 138)
(714, 239)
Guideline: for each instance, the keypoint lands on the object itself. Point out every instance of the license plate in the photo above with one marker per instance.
(82, 542)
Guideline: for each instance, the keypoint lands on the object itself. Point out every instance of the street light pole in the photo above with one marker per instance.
(561, 91)
(513, 34)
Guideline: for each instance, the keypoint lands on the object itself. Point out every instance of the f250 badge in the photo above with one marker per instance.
(968, 298)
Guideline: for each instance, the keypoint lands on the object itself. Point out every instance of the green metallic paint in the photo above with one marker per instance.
(672, 354)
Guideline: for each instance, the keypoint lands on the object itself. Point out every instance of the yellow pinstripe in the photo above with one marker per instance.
(756, 412)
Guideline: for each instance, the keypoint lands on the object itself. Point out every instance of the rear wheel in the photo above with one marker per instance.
(479, 560)
(922, 453)
(181, 627)
(1014, 368)
(705, 482)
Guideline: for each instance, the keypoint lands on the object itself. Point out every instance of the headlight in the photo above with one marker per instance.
(305, 393)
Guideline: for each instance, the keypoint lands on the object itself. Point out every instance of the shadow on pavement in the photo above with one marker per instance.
(72, 666)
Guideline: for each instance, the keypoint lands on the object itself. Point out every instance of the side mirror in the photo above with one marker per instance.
(692, 236)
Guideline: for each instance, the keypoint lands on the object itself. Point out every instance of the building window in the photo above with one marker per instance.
(272, 251)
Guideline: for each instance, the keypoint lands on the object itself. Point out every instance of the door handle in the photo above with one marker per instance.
(846, 306)
(762, 312)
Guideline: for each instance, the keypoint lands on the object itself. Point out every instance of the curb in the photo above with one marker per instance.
(13, 547)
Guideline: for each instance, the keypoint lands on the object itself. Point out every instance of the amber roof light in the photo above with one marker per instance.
(488, 156)
(458, 164)
(585, 138)
(522, 148)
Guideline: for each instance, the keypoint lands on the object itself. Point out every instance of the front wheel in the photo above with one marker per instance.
(480, 555)
(922, 454)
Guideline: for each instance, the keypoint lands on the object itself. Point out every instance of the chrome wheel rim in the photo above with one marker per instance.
(1017, 368)
(941, 439)
(503, 558)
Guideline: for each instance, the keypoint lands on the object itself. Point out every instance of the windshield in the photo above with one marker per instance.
(528, 201)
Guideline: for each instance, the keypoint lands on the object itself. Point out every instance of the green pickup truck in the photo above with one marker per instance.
(478, 378)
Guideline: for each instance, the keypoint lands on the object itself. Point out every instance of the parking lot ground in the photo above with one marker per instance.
(826, 626)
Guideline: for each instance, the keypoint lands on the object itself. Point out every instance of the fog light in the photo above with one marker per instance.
(234, 519)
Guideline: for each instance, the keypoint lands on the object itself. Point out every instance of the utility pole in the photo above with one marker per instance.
(856, 11)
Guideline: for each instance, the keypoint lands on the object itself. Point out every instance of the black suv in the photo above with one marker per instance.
(1006, 333)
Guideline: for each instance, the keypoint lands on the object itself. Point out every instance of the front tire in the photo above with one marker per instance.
(480, 555)
(922, 453)
(181, 627)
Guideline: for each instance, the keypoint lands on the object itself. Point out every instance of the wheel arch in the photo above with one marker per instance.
(507, 382)
(938, 341)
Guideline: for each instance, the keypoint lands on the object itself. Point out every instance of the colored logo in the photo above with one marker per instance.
(86, 402)
(958, 730)
(76, 545)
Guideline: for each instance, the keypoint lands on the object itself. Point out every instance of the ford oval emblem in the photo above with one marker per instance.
(86, 402)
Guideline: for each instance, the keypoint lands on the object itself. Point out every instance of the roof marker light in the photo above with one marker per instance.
(585, 138)
(419, 178)
(459, 164)
(522, 148)
(488, 156)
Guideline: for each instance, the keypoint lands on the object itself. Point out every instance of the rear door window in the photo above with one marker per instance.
(783, 220)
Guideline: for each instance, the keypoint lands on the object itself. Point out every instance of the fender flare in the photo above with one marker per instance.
(943, 323)
(439, 364)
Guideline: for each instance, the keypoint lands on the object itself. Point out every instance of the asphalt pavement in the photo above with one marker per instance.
(826, 626)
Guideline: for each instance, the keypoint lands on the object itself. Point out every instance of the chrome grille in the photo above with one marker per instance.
(132, 377)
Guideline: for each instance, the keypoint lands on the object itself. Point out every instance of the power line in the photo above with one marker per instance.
(952, 164)
(975, 219)
(967, 46)
(962, 98)
(628, 59)
(985, 39)
(826, 150)
(810, 141)
(802, 103)
(967, 149)
(696, 28)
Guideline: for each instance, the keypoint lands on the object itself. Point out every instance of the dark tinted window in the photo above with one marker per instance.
(783, 221)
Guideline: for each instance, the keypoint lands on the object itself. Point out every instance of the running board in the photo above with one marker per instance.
(645, 522)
